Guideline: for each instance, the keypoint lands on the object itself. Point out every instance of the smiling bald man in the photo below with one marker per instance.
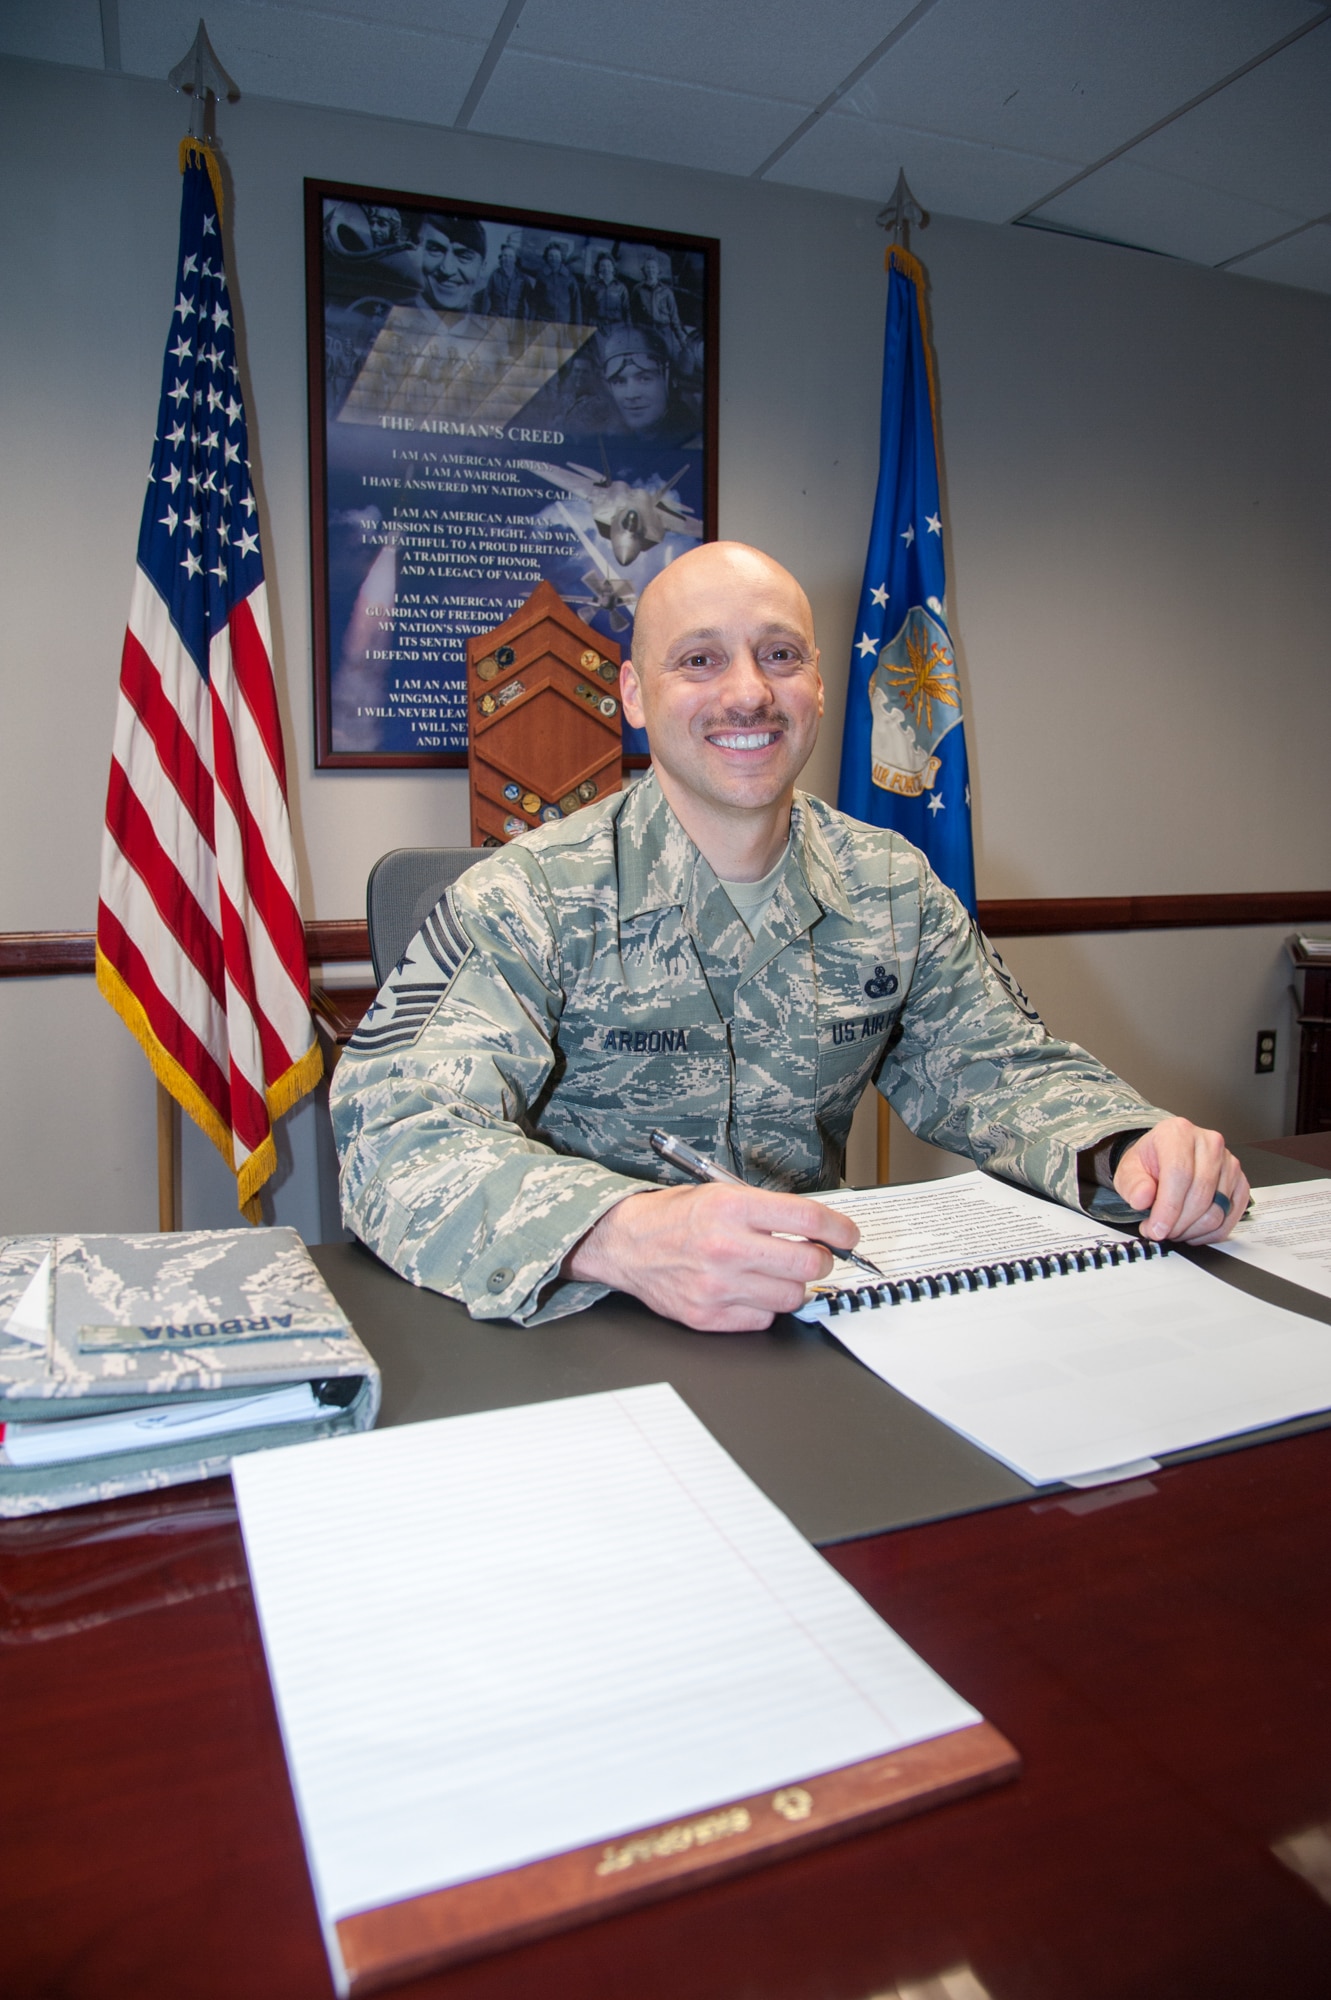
(719, 954)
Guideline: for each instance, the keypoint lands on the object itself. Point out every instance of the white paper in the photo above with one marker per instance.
(1074, 1375)
(31, 1317)
(493, 1638)
(1288, 1233)
(953, 1224)
(72, 1438)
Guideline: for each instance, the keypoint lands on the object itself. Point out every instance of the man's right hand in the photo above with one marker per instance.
(716, 1257)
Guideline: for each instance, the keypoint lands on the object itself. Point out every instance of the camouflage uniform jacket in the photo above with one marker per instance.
(593, 980)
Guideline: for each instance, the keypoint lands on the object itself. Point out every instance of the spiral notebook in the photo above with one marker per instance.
(1067, 1349)
(963, 1234)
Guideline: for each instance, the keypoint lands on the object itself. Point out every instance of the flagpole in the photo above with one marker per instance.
(168, 1161)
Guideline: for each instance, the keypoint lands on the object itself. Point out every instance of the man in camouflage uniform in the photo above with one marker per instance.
(721, 956)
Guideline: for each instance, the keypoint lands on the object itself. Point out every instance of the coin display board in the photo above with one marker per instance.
(543, 697)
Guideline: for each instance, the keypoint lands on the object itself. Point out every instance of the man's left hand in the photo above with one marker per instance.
(1175, 1170)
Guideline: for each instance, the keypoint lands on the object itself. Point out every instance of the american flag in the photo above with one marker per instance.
(200, 945)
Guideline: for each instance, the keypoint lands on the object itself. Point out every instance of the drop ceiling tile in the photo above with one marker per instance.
(390, 65)
(1067, 78)
(851, 156)
(766, 48)
(1267, 137)
(603, 110)
(1304, 260)
(68, 33)
(1133, 204)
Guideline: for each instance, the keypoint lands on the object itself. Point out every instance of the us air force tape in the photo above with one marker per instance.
(416, 985)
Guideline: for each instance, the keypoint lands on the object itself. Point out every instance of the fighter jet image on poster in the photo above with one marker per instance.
(632, 519)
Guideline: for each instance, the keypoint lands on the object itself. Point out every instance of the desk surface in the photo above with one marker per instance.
(1159, 1652)
(841, 1452)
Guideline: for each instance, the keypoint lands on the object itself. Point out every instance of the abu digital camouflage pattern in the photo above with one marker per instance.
(131, 1320)
(612, 987)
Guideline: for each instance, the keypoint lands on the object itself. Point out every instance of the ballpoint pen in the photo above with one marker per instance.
(680, 1155)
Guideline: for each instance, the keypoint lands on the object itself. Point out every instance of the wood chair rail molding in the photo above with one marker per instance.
(342, 940)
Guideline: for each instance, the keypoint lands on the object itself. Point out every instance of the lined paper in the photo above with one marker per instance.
(1077, 1375)
(493, 1638)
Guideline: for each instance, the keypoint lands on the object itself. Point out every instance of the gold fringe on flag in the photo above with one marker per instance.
(189, 146)
(288, 1090)
(911, 267)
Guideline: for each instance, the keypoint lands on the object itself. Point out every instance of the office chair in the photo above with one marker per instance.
(404, 886)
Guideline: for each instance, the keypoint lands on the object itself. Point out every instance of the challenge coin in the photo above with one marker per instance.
(607, 672)
(588, 660)
(488, 667)
(569, 803)
(488, 704)
(512, 792)
(587, 790)
(514, 825)
(505, 655)
(551, 812)
(530, 802)
(608, 705)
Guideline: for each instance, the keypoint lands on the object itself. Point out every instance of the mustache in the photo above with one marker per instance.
(734, 718)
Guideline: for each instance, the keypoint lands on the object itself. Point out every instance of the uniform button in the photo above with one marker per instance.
(499, 1279)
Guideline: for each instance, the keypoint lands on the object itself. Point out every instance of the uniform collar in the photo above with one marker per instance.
(658, 863)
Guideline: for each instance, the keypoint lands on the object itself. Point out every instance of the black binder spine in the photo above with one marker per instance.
(984, 1277)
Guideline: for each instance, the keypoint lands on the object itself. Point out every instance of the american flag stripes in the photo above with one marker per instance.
(200, 944)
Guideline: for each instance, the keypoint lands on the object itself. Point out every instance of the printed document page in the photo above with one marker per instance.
(1288, 1233)
(66, 1439)
(955, 1224)
(1068, 1376)
(493, 1638)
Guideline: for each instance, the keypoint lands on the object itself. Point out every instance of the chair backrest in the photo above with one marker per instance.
(403, 888)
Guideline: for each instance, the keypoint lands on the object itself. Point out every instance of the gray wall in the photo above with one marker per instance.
(1138, 469)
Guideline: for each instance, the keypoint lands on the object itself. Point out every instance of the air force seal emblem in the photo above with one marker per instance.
(915, 699)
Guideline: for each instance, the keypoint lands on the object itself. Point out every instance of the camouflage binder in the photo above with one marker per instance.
(95, 1325)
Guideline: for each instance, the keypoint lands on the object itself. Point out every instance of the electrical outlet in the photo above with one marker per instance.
(1266, 1051)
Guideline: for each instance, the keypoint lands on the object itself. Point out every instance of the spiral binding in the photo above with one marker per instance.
(986, 1277)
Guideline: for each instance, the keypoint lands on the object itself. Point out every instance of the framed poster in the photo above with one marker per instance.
(497, 397)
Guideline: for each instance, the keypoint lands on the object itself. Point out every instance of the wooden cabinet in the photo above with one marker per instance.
(1312, 971)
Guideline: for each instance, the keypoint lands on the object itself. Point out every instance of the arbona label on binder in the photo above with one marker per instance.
(200, 1333)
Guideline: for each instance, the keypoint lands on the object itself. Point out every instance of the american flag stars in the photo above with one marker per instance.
(204, 447)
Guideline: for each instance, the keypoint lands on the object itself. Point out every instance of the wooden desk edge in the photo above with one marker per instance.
(402, 1940)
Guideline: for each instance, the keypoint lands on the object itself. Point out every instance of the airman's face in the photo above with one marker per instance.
(450, 271)
(725, 678)
(640, 387)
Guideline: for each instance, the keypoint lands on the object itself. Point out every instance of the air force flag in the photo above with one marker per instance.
(903, 753)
